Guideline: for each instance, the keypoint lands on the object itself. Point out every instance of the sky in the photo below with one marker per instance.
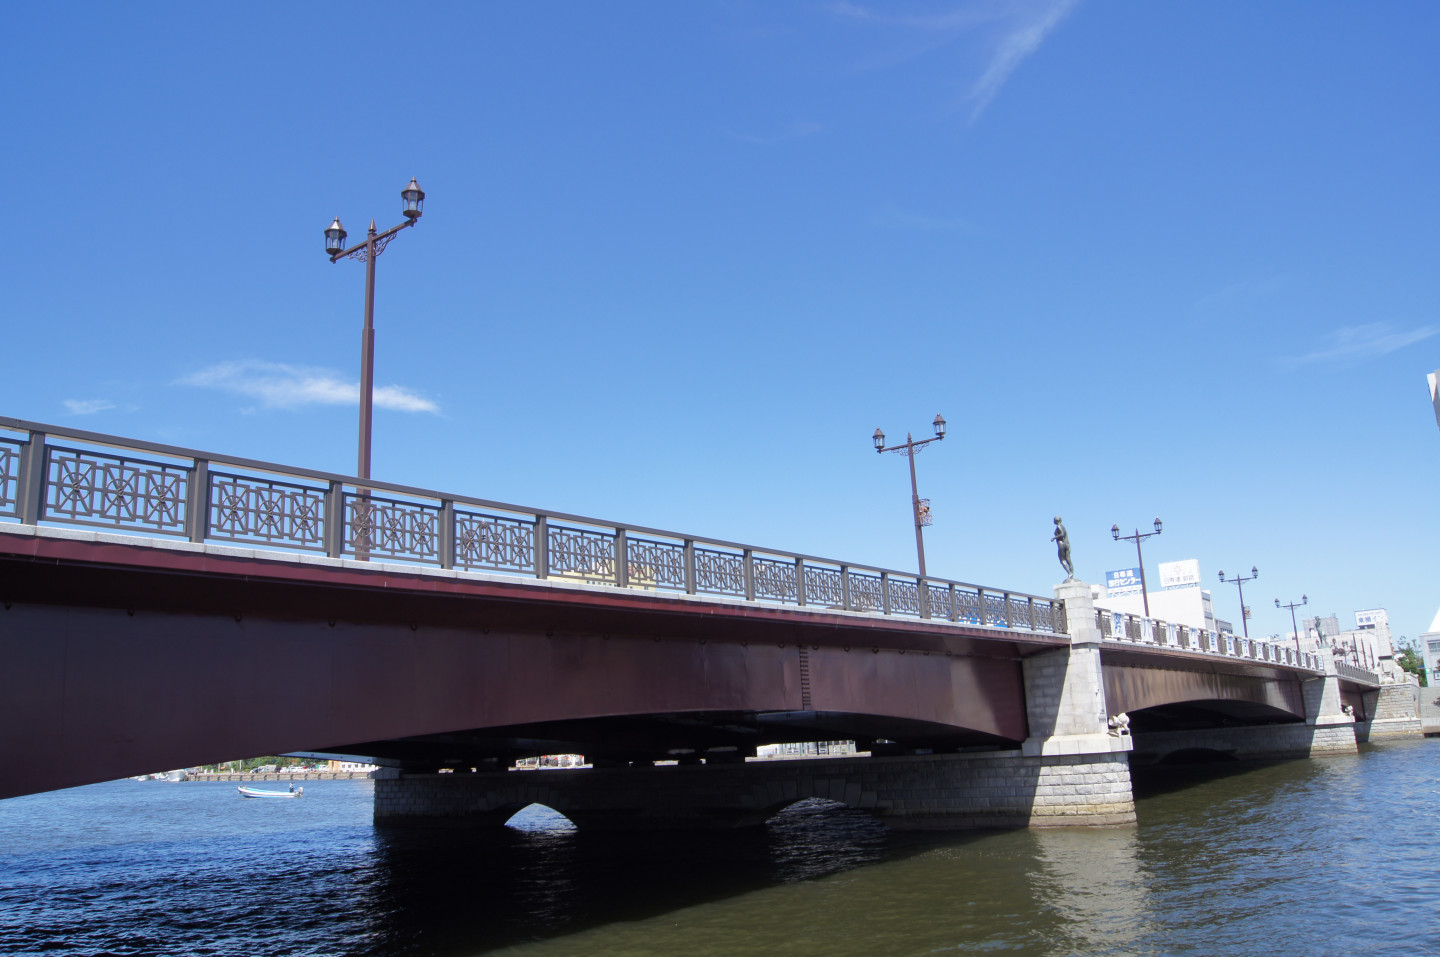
(679, 261)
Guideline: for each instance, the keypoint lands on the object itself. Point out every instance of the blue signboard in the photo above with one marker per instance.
(1123, 581)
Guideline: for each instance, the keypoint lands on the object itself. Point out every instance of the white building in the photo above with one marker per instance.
(1180, 599)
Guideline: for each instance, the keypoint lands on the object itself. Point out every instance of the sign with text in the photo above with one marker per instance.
(1123, 581)
(1180, 574)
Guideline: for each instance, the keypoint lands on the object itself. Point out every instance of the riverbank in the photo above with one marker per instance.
(277, 775)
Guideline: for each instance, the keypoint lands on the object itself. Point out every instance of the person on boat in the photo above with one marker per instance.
(292, 787)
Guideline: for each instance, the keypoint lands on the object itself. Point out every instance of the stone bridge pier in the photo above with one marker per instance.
(1069, 771)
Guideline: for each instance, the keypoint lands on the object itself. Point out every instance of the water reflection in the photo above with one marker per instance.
(1095, 885)
(1304, 857)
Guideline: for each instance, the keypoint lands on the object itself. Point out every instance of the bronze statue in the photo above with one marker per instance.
(1061, 538)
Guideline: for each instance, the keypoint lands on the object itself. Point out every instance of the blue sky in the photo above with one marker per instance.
(678, 261)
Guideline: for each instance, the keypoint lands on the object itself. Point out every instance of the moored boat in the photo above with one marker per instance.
(294, 792)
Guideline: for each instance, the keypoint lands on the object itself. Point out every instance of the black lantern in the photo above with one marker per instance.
(939, 425)
(414, 198)
(334, 238)
(879, 438)
(1157, 526)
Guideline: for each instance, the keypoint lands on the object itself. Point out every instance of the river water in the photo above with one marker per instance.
(1337, 855)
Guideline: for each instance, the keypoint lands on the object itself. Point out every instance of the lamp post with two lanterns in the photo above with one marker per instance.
(1304, 600)
(921, 507)
(1137, 538)
(374, 244)
(1240, 581)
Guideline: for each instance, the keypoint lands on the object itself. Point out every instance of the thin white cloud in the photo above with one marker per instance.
(1245, 291)
(281, 386)
(1010, 31)
(88, 406)
(1018, 42)
(1362, 342)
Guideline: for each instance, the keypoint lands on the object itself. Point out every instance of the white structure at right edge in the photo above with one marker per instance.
(1430, 650)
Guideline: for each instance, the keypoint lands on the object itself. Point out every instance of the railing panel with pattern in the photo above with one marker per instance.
(653, 563)
(154, 489)
(494, 543)
(824, 586)
(394, 528)
(110, 491)
(939, 597)
(260, 511)
(10, 477)
(866, 593)
(904, 597)
(581, 553)
(719, 572)
(775, 580)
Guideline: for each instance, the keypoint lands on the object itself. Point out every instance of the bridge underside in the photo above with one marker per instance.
(717, 737)
(1180, 694)
(116, 659)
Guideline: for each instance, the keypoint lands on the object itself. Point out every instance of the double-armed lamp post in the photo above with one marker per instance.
(921, 507)
(1240, 581)
(1304, 600)
(374, 244)
(1137, 538)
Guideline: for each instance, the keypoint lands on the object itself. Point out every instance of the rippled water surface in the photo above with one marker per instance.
(1330, 856)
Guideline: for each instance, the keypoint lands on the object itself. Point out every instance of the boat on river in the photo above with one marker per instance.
(245, 792)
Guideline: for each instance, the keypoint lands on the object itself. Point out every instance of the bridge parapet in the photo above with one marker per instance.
(1122, 628)
(1356, 674)
(105, 481)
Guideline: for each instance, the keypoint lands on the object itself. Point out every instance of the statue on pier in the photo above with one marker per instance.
(1061, 538)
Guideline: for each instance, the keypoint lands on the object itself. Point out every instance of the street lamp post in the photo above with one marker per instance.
(1137, 538)
(920, 507)
(1240, 581)
(374, 244)
(1304, 600)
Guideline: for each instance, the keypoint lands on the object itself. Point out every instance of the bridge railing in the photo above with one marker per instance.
(52, 475)
(1136, 630)
(1346, 670)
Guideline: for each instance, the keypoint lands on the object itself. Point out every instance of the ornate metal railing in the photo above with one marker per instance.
(1346, 670)
(115, 483)
(1135, 630)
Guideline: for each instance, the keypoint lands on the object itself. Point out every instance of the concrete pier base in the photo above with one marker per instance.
(1262, 742)
(999, 789)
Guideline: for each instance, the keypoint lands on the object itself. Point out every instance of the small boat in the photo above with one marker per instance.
(294, 792)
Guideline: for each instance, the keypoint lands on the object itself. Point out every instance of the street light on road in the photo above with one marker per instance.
(413, 198)
(1137, 538)
(1240, 581)
(1304, 600)
(921, 507)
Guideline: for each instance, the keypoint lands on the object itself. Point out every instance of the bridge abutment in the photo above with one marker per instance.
(1393, 711)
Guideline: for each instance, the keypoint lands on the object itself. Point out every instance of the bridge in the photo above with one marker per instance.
(166, 607)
